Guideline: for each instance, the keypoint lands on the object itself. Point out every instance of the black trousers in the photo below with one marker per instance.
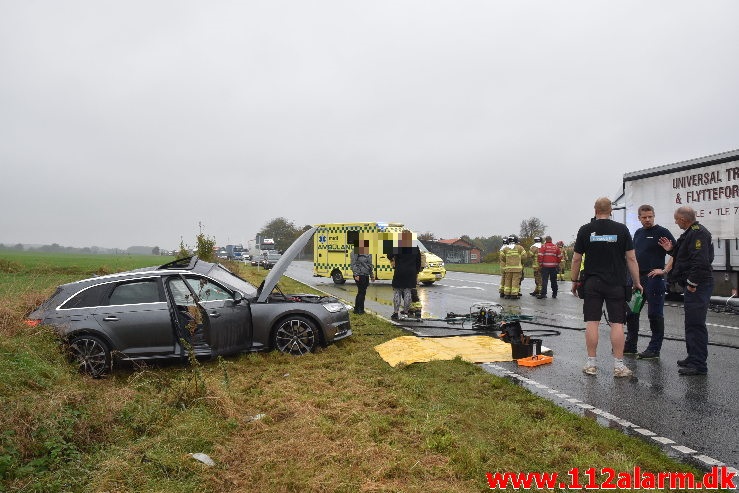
(362, 284)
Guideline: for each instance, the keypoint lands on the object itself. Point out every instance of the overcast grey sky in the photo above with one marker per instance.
(128, 123)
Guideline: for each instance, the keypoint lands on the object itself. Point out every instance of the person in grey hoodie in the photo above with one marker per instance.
(363, 272)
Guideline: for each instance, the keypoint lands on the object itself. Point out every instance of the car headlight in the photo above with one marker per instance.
(334, 307)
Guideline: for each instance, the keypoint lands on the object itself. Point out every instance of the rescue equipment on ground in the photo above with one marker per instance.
(486, 316)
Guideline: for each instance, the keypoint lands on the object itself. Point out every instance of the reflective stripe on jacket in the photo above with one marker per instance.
(550, 255)
(512, 257)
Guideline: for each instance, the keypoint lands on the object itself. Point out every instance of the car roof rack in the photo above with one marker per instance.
(185, 263)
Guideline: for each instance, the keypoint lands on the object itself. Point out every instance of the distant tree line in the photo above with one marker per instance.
(285, 232)
(93, 250)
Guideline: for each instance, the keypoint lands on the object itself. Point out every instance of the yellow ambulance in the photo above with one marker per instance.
(333, 245)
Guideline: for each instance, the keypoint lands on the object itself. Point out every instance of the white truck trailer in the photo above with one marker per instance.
(710, 185)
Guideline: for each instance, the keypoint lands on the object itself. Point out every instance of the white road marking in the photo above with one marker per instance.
(467, 287)
(474, 282)
(724, 326)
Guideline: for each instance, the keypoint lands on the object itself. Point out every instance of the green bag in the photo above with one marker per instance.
(636, 302)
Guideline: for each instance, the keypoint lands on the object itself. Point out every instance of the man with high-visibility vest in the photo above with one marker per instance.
(511, 260)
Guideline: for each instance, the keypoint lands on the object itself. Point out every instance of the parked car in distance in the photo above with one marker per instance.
(270, 259)
(185, 307)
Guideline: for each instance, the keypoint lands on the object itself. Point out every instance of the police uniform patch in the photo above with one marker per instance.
(697, 244)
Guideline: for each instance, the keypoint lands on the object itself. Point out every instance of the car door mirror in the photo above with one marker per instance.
(238, 298)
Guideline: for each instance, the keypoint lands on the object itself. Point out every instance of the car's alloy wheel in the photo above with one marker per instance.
(90, 354)
(296, 336)
(338, 277)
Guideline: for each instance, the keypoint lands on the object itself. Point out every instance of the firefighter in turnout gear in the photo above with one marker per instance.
(512, 258)
(534, 252)
(502, 264)
(563, 263)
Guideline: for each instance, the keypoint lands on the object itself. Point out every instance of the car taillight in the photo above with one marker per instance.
(32, 322)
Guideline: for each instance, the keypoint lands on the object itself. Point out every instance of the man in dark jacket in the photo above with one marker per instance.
(651, 259)
(692, 256)
(406, 260)
(363, 272)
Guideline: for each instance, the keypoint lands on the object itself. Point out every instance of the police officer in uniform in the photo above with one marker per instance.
(692, 256)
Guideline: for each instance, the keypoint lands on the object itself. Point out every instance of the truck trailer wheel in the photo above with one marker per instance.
(338, 277)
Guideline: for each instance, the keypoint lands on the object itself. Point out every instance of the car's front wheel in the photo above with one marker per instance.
(295, 335)
(91, 355)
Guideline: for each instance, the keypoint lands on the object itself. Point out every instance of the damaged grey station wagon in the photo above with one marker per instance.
(186, 307)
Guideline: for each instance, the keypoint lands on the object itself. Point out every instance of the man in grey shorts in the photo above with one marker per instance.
(608, 251)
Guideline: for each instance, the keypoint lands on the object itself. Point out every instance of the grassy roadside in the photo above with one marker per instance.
(338, 420)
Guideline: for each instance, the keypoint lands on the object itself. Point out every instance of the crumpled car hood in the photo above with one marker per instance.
(281, 266)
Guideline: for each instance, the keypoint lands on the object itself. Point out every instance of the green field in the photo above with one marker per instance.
(339, 420)
(24, 272)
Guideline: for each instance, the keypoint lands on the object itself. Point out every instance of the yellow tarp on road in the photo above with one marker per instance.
(475, 349)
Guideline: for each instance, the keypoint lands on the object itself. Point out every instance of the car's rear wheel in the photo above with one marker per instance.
(295, 335)
(91, 355)
(338, 277)
(427, 283)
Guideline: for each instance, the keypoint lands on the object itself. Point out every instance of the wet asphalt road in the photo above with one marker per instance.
(694, 419)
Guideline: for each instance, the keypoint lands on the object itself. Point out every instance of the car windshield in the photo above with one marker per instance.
(422, 247)
(220, 273)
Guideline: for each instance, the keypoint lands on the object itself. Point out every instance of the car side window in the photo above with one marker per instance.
(135, 292)
(208, 290)
(180, 292)
(90, 297)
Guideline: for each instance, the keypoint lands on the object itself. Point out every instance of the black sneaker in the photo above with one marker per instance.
(647, 355)
(541, 296)
(534, 294)
(682, 362)
(554, 295)
(630, 352)
(691, 371)
(394, 316)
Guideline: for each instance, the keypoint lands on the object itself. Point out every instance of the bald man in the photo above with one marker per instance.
(609, 252)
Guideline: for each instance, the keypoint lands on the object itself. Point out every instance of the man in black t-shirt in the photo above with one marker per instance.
(608, 251)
